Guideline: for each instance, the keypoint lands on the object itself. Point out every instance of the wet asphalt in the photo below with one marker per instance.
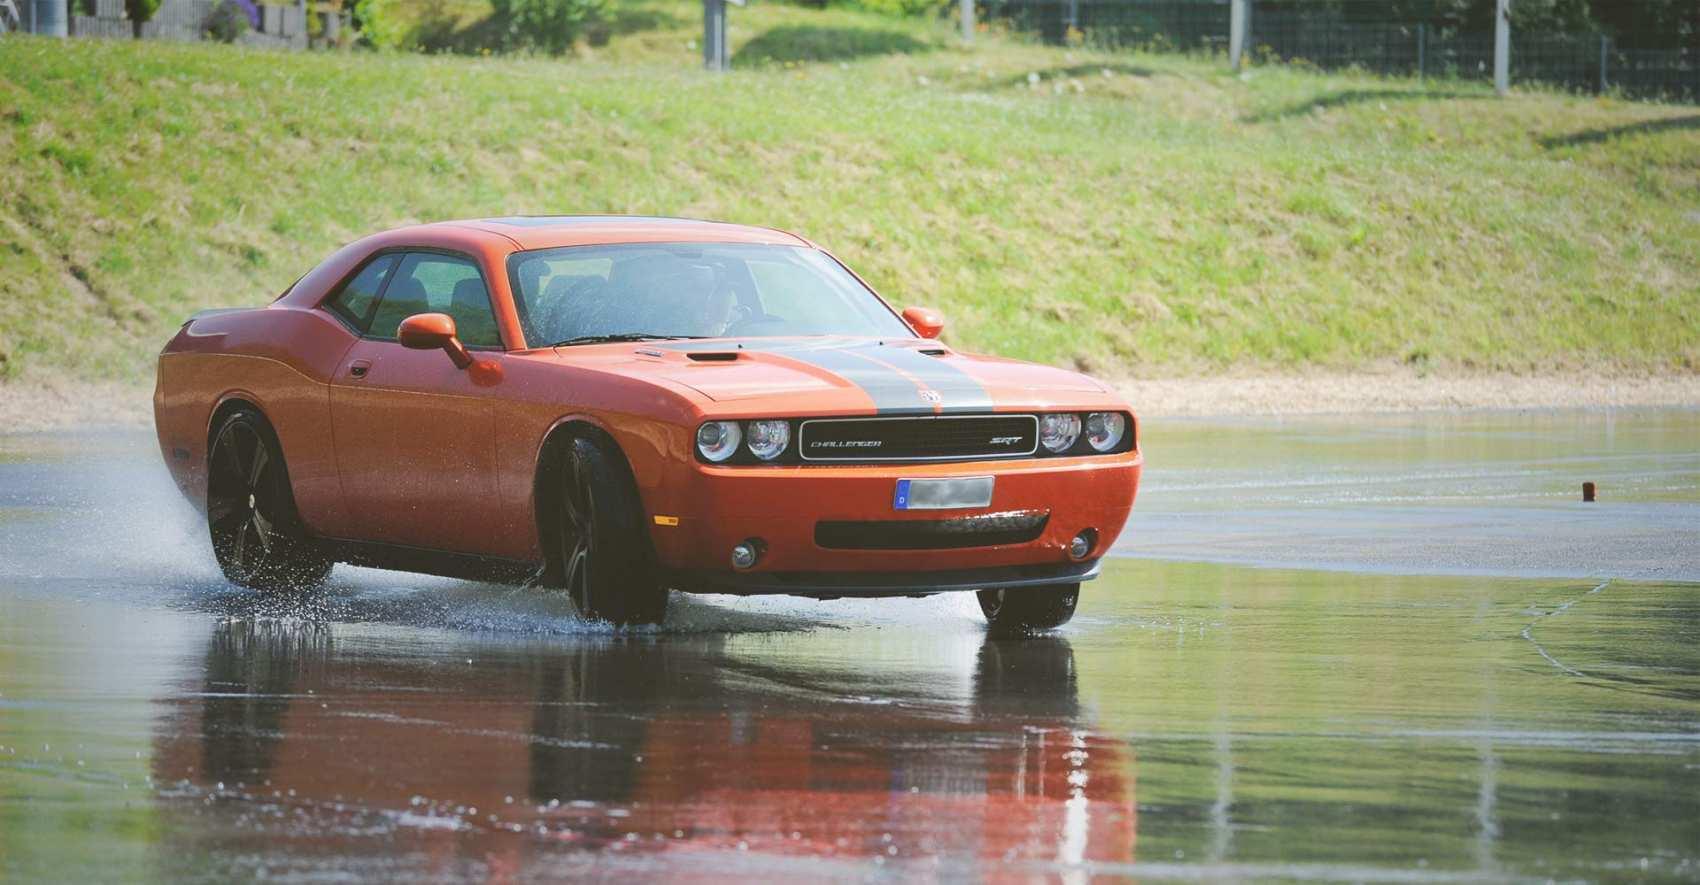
(1364, 649)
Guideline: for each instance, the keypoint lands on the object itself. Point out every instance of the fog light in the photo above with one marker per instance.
(746, 553)
(1082, 544)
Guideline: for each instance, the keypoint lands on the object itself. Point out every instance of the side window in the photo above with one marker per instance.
(430, 283)
(354, 302)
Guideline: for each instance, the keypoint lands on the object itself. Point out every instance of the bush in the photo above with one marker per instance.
(230, 20)
(426, 25)
(905, 7)
(473, 26)
(411, 25)
(550, 26)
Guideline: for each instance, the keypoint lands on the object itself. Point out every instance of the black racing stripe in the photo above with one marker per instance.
(891, 392)
(958, 392)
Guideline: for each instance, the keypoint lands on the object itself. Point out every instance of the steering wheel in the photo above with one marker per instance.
(742, 325)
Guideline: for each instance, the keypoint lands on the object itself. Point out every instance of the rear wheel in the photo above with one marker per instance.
(257, 536)
(1026, 610)
(605, 560)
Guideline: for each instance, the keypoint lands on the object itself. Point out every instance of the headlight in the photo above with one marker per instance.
(1058, 432)
(767, 439)
(718, 440)
(1104, 430)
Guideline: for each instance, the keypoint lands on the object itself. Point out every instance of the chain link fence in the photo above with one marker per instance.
(1639, 48)
(1183, 25)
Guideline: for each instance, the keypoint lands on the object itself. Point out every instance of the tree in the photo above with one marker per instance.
(140, 13)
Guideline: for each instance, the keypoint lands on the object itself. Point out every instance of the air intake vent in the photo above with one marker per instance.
(714, 357)
(981, 530)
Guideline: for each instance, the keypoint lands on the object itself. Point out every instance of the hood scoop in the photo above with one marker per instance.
(711, 356)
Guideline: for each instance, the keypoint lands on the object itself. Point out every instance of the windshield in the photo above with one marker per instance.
(691, 290)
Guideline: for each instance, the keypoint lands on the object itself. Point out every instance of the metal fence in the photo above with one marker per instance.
(1173, 25)
(1633, 56)
(283, 26)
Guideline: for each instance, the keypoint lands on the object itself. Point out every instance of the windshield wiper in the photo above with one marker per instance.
(621, 336)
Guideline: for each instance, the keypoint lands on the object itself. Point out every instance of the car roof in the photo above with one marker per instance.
(496, 238)
(551, 231)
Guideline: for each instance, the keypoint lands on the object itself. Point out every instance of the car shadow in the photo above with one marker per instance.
(811, 43)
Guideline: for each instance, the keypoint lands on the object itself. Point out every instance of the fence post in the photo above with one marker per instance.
(1422, 51)
(1605, 53)
(51, 18)
(1239, 21)
(1073, 19)
(714, 55)
(967, 21)
(1502, 47)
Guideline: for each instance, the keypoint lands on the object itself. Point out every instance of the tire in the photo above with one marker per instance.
(257, 535)
(1029, 610)
(603, 552)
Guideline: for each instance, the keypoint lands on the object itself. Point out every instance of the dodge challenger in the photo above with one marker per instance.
(622, 407)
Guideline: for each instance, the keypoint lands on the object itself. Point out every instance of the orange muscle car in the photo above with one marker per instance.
(624, 406)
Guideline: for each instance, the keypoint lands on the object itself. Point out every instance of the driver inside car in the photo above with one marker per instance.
(718, 312)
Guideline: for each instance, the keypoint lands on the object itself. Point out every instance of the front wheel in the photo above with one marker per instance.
(604, 555)
(1027, 610)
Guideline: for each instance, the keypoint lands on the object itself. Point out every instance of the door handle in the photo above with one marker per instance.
(358, 368)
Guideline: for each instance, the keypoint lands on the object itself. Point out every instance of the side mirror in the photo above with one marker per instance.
(926, 322)
(433, 331)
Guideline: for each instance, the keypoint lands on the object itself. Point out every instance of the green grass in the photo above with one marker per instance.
(1126, 214)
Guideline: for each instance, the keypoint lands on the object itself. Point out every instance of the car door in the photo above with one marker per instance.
(414, 437)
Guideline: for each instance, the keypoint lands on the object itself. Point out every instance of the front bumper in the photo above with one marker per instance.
(697, 518)
(833, 585)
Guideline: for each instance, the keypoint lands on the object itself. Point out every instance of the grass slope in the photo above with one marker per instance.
(1126, 214)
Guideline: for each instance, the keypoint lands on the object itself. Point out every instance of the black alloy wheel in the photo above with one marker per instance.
(257, 535)
(605, 560)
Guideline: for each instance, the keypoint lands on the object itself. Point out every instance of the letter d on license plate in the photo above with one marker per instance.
(943, 494)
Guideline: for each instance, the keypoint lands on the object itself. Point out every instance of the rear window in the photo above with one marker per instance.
(354, 302)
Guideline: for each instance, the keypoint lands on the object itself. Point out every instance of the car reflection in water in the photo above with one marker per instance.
(302, 745)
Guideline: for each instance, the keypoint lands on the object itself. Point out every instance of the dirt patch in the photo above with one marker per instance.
(36, 406)
(1402, 392)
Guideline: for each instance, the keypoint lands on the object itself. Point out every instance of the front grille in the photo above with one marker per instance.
(982, 530)
(934, 438)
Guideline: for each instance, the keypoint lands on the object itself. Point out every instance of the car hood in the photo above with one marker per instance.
(905, 376)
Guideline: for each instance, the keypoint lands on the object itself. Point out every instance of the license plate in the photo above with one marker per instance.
(943, 494)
